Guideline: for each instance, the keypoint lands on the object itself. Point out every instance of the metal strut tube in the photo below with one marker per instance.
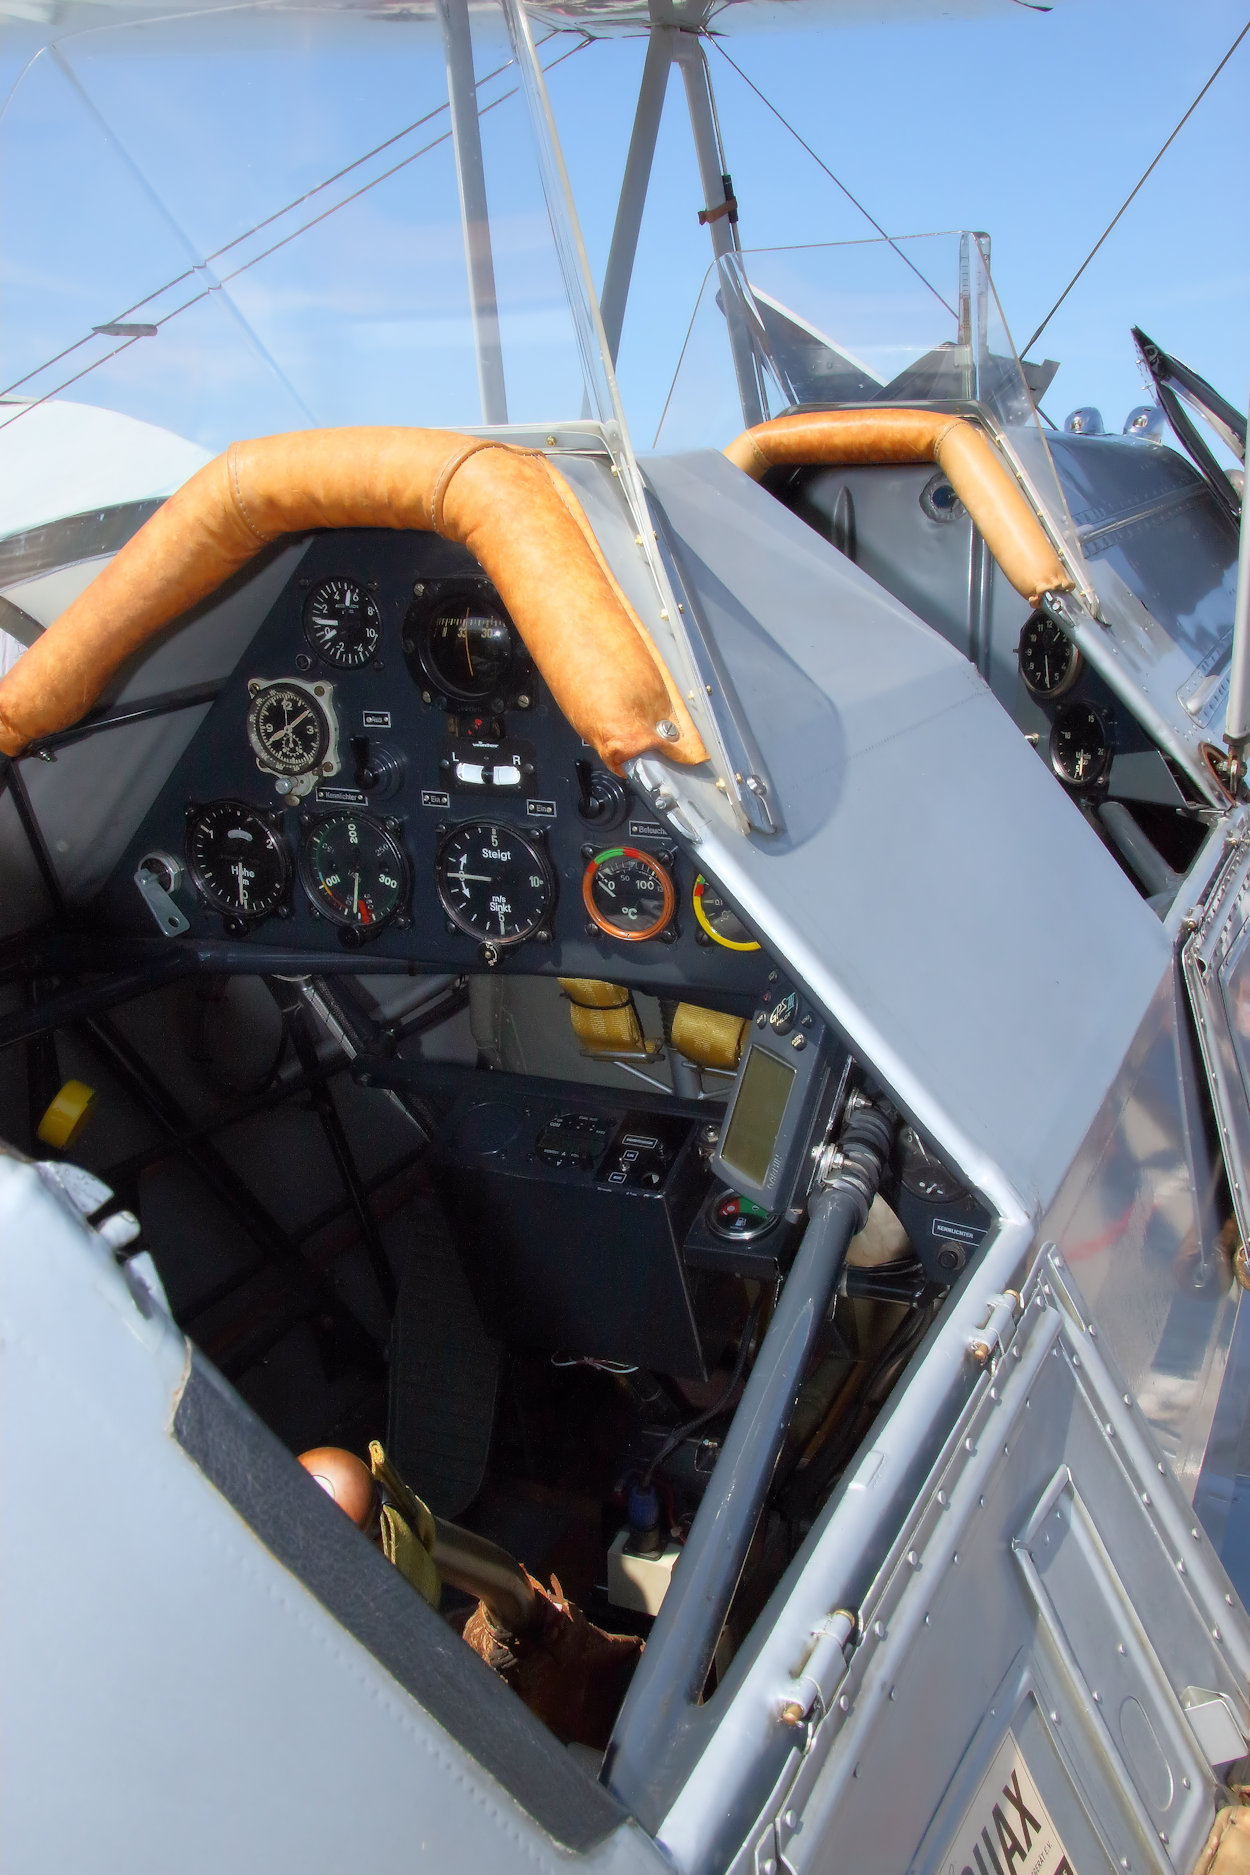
(644, 1763)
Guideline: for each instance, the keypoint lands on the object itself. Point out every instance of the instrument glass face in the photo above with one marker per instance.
(1049, 661)
(342, 623)
(629, 894)
(288, 729)
(354, 871)
(923, 1175)
(493, 884)
(718, 919)
(1080, 749)
(739, 1219)
(468, 648)
(237, 859)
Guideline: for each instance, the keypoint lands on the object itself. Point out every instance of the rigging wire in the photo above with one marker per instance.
(819, 161)
(1135, 190)
(277, 215)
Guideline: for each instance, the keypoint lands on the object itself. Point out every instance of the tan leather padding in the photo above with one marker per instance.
(999, 510)
(709, 1037)
(604, 1018)
(510, 507)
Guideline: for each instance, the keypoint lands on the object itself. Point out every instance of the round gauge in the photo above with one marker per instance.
(493, 884)
(288, 729)
(1049, 661)
(737, 1219)
(628, 894)
(923, 1175)
(237, 859)
(342, 623)
(466, 645)
(1080, 750)
(715, 917)
(354, 871)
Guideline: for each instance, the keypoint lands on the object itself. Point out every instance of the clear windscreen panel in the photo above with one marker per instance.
(907, 321)
(235, 223)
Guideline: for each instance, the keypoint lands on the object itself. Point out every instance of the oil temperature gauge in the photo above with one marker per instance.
(629, 894)
(355, 872)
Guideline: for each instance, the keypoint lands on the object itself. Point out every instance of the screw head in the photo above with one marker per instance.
(667, 728)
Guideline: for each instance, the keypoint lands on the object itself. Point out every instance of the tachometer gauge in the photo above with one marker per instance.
(494, 884)
(923, 1175)
(237, 859)
(464, 644)
(288, 728)
(354, 871)
(342, 623)
(1080, 747)
(628, 894)
(721, 924)
(1049, 661)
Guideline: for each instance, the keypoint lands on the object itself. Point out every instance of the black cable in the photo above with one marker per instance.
(682, 1432)
(819, 161)
(1025, 349)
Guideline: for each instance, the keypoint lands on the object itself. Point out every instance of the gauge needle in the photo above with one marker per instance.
(478, 878)
(468, 655)
(356, 895)
(238, 873)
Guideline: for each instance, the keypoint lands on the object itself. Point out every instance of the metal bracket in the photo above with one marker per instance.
(157, 875)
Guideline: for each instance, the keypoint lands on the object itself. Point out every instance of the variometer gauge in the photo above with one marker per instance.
(1049, 661)
(237, 859)
(1080, 746)
(293, 732)
(629, 894)
(342, 623)
(718, 920)
(494, 884)
(355, 872)
(461, 644)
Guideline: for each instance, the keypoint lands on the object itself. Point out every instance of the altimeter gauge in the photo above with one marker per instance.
(718, 920)
(629, 894)
(1049, 661)
(293, 732)
(1080, 746)
(494, 883)
(355, 872)
(237, 859)
(342, 623)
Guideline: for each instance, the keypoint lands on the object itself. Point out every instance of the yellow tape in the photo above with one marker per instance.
(66, 1114)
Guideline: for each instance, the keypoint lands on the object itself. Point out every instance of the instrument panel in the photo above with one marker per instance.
(385, 772)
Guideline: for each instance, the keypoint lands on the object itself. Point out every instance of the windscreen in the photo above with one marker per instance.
(239, 222)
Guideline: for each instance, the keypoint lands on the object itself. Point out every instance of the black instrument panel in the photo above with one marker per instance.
(385, 773)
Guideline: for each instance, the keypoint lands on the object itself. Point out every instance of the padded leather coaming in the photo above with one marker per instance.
(1007, 523)
(510, 507)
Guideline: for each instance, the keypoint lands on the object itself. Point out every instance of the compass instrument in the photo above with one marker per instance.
(493, 883)
(237, 860)
(342, 623)
(718, 919)
(464, 645)
(629, 894)
(1049, 661)
(289, 727)
(1080, 746)
(354, 871)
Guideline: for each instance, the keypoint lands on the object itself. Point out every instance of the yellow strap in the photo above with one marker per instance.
(709, 1037)
(409, 1555)
(604, 1018)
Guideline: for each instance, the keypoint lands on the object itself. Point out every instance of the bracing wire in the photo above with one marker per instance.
(267, 221)
(1135, 190)
(837, 182)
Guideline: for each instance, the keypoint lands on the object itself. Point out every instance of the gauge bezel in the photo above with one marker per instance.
(320, 700)
(385, 830)
(423, 661)
(327, 658)
(705, 923)
(1043, 621)
(759, 1227)
(668, 885)
(531, 840)
(275, 839)
(1080, 784)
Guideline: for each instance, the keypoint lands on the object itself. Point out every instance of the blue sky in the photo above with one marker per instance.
(1032, 126)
